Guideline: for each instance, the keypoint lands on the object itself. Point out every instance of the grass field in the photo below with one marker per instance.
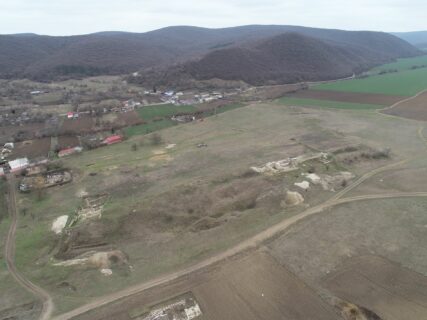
(159, 197)
(402, 64)
(149, 127)
(404, 83)
(11, 294)
(327, 104)
(165, 110)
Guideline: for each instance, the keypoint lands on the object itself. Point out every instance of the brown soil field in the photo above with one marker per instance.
(83, 124)
(384, 287)
(32, 148)
(86, 124)
(412, 109)
(131, 118)
(30, 129)
(67, 142)
(250, 287)
(364, 98)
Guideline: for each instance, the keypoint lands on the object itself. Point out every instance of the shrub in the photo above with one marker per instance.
(156, 139)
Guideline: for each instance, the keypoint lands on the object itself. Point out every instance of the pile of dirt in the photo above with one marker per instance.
(83, 238)
(293, 198)
(350, 311)
(340, 180)
(99, 260)
(59, 224)
(328, 182)
(305, 185)
(289, 164)
(275, 167)
(106, 260)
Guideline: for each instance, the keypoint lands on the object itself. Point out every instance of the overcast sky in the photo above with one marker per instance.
(66, 17)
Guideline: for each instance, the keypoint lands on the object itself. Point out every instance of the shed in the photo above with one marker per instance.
(69, 151)
(18, 164)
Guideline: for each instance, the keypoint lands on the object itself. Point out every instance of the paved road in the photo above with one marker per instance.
(248, 244)
(9, 253)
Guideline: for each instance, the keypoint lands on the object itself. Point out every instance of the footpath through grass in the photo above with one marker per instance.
(328, 104)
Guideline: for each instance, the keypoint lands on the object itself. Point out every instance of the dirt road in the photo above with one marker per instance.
(403, 101)
(251, 243)
(9, 254)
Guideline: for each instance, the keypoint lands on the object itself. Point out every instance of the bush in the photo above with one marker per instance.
(156, 139)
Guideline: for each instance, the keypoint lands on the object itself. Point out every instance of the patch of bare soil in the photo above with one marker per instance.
(201, 207)
(32, 148)
(251, 287)
(68, 142)
(386, 288)
(84, 124)
(352, 97)
(83, 238)
(412, 109)
(350, 311)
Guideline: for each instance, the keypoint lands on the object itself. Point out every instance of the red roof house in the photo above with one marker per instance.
(112, 140)
(69, 151)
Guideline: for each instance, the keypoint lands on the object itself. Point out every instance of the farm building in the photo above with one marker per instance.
(112, 140)
(72, 115)
(69, 151)
(18, 164)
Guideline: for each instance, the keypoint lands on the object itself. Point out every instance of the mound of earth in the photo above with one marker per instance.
(293, 198)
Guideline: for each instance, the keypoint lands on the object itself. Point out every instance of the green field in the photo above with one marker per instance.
(149, 127)
(165, 110)
(403, 83)
(11, 293)
(158, 117)
(403, 64)
(327, 104)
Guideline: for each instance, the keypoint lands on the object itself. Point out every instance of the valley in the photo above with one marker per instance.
(133, 200)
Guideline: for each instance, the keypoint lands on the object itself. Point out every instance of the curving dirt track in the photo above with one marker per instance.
(9, 253)
(411, 108)
(249, 244)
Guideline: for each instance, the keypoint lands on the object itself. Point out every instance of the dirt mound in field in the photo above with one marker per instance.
(351, 311)
(105, 260)
(293, 198)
